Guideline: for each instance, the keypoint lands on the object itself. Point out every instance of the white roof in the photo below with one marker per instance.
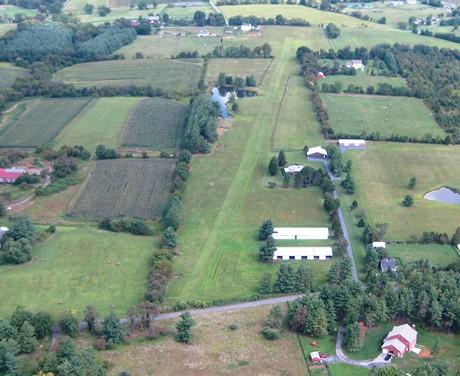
(405, 330)
(4, 229)
(351, 141)
(303, 251)
(299, 231)
(316, 149)
(378, 244)
(315, 355)
(395, 343)
(293, 168)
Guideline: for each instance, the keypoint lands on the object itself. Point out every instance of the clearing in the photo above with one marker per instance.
(125, 187)
(100, 124)
(40, 121)
(155, 123)
(9, 73)
(436, 254)
(237, 67)
(79, 266)
(358, 114)
(174, 76)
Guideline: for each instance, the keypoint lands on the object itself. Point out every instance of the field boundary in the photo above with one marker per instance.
(278, 112)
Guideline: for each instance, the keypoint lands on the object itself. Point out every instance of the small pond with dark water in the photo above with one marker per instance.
(222, 95)
(445, 195)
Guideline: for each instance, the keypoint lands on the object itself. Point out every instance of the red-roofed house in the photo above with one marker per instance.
(400, 340)
(9, 175)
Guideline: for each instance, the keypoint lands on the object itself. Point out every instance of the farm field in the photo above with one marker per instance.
(364, 80)
(381, 179)
(117, 13)
(40, 122)
(215, 350)
(125, 187)
(436, 254)
(155, 123)
(296, 125)
(9, 73)
(174, 76)
(100, 124)
(78, 267)
(6, 27)
(358, 114)
(77, 5)
(10, 11)
(237, 67)
(186, 12)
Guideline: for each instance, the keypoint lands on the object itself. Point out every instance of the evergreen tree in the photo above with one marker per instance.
(23, 228)
(266, 286)
(91, 317)
(286, 180)
(267, 250)
(27, 341)
(273, 166)
(9, 363)
(456, 237)
(303, 279)
(282, 159)
(352, 336)
(286, 280)
(331, 318)
(412, 182)
(69, 325)
(348, 184)
(42, 323)
(184, 328)
(266, 229)
(408, 201)
(169, 239)
(113, 330)
(19, 316)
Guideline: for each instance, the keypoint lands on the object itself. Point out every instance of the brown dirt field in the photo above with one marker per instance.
(215, 350)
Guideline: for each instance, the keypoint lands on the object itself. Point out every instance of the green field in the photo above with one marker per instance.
(237, 67)
(116, 14)
(358, 114)
(382, 173)
(40, 122)
(77, 5)
(79, 267)
(436, 254)
(100, 124)
(364, 80)
(155, 123)
(10, 11)
(186, 12)
(9, 73)
(125, 187)
(341, 369)
(173, 76)
(296, 125)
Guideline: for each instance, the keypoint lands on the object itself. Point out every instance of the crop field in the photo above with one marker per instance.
(40, 122)
(125, 187)
(155, 123)
(382, 173)
(100, 124)
(436, 254)
(296, 125)
(9, 73)
(357, 114)
(215, 350)
(237, 67)
(364, 80)
(79, 266)
(170, 75)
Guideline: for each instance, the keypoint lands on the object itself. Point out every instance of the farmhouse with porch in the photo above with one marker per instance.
(317, 152)
(400, 340)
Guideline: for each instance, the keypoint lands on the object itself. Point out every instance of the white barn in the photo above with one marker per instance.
(300, 233)
(378, 245)
(317, 152)
(357, 64)
(293, 169)
(303, 253)
(246, 27)
(352, 143)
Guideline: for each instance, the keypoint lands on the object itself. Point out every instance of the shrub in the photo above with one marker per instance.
(271, 334)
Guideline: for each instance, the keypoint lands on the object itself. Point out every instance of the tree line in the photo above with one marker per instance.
(279, 20)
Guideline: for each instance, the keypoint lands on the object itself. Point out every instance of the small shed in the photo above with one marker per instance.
(293, 169)
(315, 357)
(378, 245)
(317, 152)
(246, 27)
(356, 64)
(300, 233)
(352, 143)
(302, 253)
(388, 264)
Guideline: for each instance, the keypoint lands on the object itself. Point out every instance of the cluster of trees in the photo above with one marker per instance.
(44, 6)
(448, 36)
(382, 88)
(433, 237)
(376, 136)
(335, 160)
(273, 325)
(264, 51)
(160, 273)
(200, 126)
(239, 82)
(133, 226)
(278, 20)
(213, 19)
(102, 152)
(288, 279)
(332, 31)
(17, 243)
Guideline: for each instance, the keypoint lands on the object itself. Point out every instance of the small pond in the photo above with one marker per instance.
(445, 195)
(222, 95)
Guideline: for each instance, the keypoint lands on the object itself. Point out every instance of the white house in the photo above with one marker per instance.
(303, 253)
(246, 27)
(317, 152)
(300, 233)
(293, 169)
(351, 143)
(357, 64)
(378, 245)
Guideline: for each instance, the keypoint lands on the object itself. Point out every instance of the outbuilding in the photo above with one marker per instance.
(300, 233)
(378, 244)
(293, 169)
(315, 357)
(10, 175)
(3, 231)
(352, 143)
(400, 340)
(246, 27)
(302, 253)
(356, 64)
(317, 152)
(388, 264)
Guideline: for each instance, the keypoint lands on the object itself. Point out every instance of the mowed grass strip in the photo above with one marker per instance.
(436, 254)
(155, 123)
(169, 75)
(9, 73)
(41, 122)
(125, 187)
(237, 67)
(100, 124)
(382, 173)
(79, 266)
(358, 114)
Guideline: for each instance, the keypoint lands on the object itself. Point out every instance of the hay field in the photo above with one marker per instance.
(155, 123)
(237, 67)
(125, 187)
(436, 254)
(9, 73)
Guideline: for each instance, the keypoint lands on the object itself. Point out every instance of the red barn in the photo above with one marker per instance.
(400, 340)
(9, 175)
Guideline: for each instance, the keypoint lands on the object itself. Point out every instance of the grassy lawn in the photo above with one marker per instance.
(372, 342)
(9, 73)
(215, 350)
(118, 13)
(237, 67)
(79, 266)
(173, 76)
(101, 123)
(358, 114)
(436, 254)
(77, 5)
(341, 369)
(382, 173)
(326, 345)
(364, 80)
(296, 125)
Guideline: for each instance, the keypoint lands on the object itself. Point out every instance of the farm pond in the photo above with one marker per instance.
(445, 195)
(222, 95)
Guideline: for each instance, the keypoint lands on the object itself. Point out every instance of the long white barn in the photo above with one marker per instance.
(303, 253)
(300, 233)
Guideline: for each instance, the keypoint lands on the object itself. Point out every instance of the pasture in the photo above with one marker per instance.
(117, 13)
(176, 12)
(436, 254)
(100, 124)
(9, 73)
(77, 5)
(174, 76)
(125, 187)
(382, 173)
(365, 114)
(9, 11)
(155, 123)
(40, 122)
(79, 266)
(237, 67)
(215, 350)
(364, 80)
